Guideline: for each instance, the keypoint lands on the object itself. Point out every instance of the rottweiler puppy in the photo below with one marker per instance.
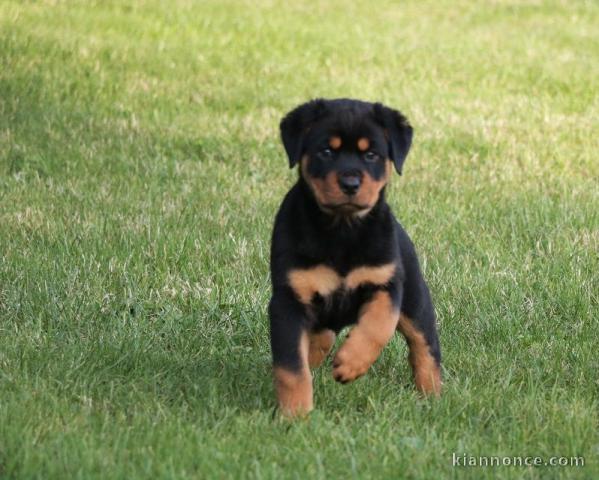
(339, 257)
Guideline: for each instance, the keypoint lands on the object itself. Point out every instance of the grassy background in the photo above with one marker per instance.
(140, 170)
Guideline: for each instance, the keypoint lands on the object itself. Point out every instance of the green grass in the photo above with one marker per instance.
(140, 170)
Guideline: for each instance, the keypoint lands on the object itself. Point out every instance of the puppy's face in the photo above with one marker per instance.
(345, 166)
(346, 151)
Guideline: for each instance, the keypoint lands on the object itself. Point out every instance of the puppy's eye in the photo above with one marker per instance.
(371, 157)
(326, 153)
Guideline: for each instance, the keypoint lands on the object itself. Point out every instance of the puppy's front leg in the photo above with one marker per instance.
(377, 322)
(290, 345)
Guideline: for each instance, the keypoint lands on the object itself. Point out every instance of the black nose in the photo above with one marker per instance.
(350, 181)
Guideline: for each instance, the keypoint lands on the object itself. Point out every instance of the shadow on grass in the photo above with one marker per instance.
(231, 377)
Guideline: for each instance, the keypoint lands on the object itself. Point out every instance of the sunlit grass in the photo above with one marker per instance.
(140, 170)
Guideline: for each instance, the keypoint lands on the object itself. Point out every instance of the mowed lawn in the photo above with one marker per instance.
(140, 171)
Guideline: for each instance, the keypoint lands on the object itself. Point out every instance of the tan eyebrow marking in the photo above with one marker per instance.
(335, 142)
(363, 144)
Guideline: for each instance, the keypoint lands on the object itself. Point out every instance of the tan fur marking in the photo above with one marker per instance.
(370, 189)
(376, 325)
(375, 275)
(324, 280)
(307, 282)
(304, 162)
(335, 142)
(294, 390)
(427, 375)
(327, 191)
(363, 144)
(320, 346)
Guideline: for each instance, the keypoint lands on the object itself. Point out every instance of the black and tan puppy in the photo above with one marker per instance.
(339, 257)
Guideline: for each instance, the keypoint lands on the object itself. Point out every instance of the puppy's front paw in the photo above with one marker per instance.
(353, 360)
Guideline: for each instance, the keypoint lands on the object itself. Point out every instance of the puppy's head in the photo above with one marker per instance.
(346, 149)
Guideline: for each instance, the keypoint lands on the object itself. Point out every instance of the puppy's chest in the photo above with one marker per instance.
(325, 282)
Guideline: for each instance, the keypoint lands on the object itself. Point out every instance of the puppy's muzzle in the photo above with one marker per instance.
(350, 181)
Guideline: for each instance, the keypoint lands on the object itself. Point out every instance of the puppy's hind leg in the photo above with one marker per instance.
(425, 355)
(321, 343)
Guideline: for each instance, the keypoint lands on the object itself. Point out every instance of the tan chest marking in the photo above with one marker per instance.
(307, 282)
(324, 280)
(372, 275)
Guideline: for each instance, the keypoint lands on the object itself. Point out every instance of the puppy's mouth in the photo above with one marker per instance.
(345, 208)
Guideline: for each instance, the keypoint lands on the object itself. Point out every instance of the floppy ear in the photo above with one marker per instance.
(296, 124)
(399, 133)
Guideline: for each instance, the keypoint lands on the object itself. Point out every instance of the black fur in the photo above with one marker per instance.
(306, 235)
